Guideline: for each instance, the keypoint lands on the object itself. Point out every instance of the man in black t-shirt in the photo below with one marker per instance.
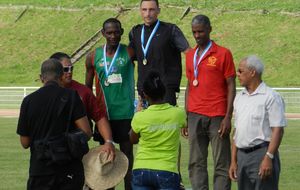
(158, 46)
(43, 115)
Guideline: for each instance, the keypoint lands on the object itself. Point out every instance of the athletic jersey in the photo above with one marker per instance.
(209, 97)
(118, 86)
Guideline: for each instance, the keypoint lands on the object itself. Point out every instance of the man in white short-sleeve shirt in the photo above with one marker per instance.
(259, 121)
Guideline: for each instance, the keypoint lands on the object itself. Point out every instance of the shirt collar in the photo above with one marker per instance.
(212, 49)
(159, 106)
(261, 89)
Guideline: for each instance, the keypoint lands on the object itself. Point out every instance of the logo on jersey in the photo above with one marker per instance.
(212, 61)
(120, 61)
(101, 63)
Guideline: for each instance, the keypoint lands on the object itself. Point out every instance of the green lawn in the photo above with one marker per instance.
(14, 159)
(268, 28)
(276, 5)
(241, 26)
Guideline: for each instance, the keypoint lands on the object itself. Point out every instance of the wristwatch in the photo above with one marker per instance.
(109, 141)
(270, 155)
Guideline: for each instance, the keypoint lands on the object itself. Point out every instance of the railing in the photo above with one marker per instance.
(11, 97)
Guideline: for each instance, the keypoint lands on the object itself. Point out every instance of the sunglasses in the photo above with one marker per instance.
(68, 69)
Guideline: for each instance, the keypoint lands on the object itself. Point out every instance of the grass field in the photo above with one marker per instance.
(245, 27)
(268, 28)
(14, 160)
(287, 5)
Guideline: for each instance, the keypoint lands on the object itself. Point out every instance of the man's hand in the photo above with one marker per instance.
(109, 148)
(185, 132)
(233, 171)
(266, 167)
(225, 127)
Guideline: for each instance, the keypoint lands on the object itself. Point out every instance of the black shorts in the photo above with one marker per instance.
(120, 131)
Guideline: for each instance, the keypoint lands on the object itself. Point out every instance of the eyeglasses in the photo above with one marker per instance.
(68, 69)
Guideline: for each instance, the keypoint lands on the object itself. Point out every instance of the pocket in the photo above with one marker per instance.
(257, 116)
(137, 177)
(256, 120)
(168, 180)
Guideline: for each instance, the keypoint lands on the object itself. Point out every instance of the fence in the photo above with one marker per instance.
(11, 97)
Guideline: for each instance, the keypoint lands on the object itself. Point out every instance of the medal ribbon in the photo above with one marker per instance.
(108, 71)
(145, 49)
(196, 64)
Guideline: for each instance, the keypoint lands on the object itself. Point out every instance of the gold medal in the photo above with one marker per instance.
(195, 82)
(145, 61)
(106, 83)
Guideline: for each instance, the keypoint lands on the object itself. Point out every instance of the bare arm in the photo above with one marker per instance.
(266, 166)
(186, 95)
(25, 141)
(230, 97)
(105, 131)
(89, 73)
(185, 131)
(133, 137)
(83, 124)
(225, 127)
(233, 165)
(131, 54)
(277, 134)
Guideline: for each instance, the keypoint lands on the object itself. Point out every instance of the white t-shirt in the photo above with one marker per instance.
(255, 114)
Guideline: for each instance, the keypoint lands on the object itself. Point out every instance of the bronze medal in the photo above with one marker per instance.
(195, 82)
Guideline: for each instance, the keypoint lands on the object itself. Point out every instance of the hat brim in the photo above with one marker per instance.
(100, 182)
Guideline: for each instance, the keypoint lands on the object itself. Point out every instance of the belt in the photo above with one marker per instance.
(251, 149)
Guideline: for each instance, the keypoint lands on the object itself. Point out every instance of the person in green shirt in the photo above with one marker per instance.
(112, 68)
(157, 132)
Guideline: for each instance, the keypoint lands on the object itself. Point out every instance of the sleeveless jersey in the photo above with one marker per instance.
(118, 95)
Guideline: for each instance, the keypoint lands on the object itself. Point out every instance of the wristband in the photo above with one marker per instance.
(270, 155)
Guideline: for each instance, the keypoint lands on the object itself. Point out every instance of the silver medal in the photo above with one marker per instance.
(106, 83)
(145, 61)
(195, 82)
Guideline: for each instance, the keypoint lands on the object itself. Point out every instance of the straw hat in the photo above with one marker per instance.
(101, 172)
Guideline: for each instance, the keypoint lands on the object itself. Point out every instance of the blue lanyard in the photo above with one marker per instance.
(108, 71)
(196, 64)
(145, 49)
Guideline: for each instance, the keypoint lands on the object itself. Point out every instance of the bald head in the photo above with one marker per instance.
(51, 69)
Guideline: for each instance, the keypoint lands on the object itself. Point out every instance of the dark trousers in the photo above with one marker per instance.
(248, 168)
(60, 181)
(202, 130)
